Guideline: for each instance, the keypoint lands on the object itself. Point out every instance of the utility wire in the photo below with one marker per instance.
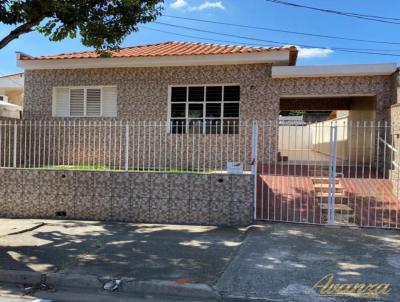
(199, 38)
(257, 44)
(284, 31)
(355, 50)
(333, 11)
(341, 13)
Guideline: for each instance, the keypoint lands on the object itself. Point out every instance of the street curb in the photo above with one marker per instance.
(153, 287)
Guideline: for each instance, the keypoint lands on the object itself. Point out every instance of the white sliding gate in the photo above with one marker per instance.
(328, 173)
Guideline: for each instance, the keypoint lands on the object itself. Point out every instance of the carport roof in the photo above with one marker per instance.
(333, 70)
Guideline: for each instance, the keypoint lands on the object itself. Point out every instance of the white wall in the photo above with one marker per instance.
(352, 142)
(294, 137)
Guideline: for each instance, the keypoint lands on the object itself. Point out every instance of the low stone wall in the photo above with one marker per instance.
(177, 198)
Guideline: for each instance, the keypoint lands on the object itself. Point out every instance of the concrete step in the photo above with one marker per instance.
(338, 207)
(338, 196)
(323, 180)
(324, 188)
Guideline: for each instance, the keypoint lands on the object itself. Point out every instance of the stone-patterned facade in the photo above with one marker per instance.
(205, 199)
(143, 92)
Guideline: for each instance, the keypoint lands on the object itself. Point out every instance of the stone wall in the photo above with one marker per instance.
(396, 87)
(206, 199)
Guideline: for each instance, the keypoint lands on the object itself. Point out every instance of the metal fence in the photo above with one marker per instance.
(124, 145)
(337, 172)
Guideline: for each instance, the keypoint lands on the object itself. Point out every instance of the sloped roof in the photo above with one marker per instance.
(170, 49)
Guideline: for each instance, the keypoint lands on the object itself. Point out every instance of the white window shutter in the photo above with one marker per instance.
(109, 101)
(77, 102)
(93, 102)
(61, 102)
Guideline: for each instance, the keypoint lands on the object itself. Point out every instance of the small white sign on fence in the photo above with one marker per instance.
(235, 167)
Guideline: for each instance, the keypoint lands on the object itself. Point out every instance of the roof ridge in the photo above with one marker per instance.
(169, 42)
(93, 51)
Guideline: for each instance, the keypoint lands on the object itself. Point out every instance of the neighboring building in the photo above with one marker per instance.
(11, 95)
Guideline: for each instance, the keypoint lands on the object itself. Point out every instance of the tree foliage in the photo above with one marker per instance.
(102, 24)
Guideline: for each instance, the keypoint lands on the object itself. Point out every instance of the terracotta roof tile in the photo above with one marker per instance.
(169, 49)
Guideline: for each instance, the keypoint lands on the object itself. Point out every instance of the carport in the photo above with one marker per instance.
(311, 141)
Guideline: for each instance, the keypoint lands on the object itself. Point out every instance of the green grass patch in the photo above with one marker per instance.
(79, 167)
(106, 168)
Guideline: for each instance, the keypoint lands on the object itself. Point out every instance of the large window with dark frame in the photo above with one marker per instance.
(208, 109)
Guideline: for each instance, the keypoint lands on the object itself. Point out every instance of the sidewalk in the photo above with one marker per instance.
(280, 262)
(185, 256)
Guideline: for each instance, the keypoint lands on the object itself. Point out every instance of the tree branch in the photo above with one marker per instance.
(22, 29)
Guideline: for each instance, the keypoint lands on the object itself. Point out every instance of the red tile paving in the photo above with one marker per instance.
(288, 195)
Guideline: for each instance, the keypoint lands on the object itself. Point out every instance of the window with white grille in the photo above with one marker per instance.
(85, 101)
(208, 109)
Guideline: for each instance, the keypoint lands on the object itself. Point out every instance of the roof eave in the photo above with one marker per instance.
(275, 57)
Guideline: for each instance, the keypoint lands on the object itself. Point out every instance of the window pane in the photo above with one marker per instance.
(62, 102)
(231, 110)
(178, 94)
(213, 110)
(196, 94)
(178, 126)
(93, 102)
(231, 126)
(214, 94)
(232, 93)
(213, 126)
(195, 127)
(77, 102)
(195, 110)
(178, 110)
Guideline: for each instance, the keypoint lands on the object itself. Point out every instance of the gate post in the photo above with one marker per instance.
(127, 146)
(254, 145)
(332, 175)
(15, 145)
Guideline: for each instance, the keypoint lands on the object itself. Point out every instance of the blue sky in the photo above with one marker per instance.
(255, 13)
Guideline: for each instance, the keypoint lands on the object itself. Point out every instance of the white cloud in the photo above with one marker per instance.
(183, 4)
(179, 4)
(207, 5)
(312, 53)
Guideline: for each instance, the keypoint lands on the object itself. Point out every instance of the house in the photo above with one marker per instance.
(195, 82)
(198, 89)
(11, 95)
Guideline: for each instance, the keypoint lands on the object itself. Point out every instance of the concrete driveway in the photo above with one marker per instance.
(282, 262)
(277, 262)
